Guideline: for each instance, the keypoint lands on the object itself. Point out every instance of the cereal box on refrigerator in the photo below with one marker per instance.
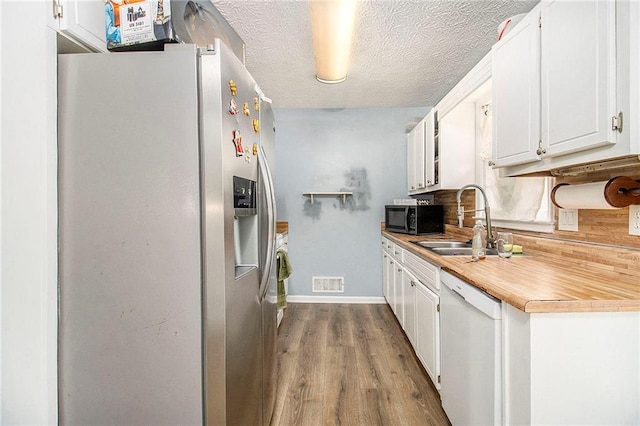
(138, 24)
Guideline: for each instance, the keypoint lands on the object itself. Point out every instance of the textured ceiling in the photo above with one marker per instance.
(405, 53)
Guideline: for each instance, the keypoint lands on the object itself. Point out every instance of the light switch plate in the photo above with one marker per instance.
(568, 220)
(634, 219)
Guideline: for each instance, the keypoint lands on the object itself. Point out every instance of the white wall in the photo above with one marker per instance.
(28, 258)
(360, 150)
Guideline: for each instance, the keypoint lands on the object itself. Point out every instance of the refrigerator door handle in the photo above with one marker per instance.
(271, 219)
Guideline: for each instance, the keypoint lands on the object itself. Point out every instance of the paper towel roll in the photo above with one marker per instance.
(612, 194)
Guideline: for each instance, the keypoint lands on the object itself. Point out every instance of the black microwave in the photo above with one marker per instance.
(415, 220)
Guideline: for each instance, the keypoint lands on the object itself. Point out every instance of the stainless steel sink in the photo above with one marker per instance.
(460, 251)
(442, 244)
(452, 248)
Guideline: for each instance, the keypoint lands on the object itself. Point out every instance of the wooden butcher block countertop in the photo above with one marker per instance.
(544, 281)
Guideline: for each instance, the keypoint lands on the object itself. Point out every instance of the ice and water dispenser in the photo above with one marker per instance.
(245, 225)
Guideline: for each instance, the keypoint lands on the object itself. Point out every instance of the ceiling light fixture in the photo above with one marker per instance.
(332, 25)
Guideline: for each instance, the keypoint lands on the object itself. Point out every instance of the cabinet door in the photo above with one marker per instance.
(428, 331)
(84, 22)
(409, 303)
(516, 94)
(419, 156)
(411, 165)
(431, 150)
(578, 75)
(391, 283)
(386, 259)
(398, 296)
(416, 158)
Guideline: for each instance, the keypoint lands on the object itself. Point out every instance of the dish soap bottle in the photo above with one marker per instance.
(478, 243)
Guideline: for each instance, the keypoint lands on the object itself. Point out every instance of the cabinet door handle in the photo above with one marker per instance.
(385, 256)
(491, 163)
(399, 270)
(541, 151)
(413, 284)
(392, 262)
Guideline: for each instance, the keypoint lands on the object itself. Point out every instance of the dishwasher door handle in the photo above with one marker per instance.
(459, 294)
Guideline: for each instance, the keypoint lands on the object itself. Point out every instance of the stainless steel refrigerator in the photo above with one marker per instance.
(167, 290)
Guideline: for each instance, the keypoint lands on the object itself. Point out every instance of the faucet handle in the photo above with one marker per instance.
(460, 215)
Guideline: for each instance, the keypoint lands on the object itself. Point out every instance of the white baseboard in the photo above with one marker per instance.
(336, 299)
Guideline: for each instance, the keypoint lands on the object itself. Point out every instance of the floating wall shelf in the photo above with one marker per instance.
(342, 194)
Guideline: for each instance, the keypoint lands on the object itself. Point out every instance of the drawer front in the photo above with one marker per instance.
(426, 272)
(388, 245)
(398, 253)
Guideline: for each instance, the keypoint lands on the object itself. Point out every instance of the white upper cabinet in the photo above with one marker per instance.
(416, 158)
(516, 94)
(440, 153)
(578, 75)
(82, 21)
(556, 89)
(456, 148)
(432, 158)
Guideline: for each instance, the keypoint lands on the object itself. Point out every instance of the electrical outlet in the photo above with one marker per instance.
(634, 219)
(568, 220)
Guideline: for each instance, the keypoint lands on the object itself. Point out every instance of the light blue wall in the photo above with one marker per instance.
(359, 150)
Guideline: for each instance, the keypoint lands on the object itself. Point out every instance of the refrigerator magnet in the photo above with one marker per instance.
(256, 104)
(255, 149)
(245, 109)
(233, 88)
(237, 141)
(233, 107)
(247, 156)
(256, 125)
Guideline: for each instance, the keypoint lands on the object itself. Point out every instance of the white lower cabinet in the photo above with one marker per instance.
(392, 276)
(412, 285)
(571, 368)
(386, 260)
(427, 346)
(409, 284)
(398, 294)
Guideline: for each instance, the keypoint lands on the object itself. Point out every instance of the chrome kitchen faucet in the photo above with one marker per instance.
(461, 211)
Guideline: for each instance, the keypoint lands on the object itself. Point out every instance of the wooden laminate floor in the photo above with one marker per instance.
(350, 365)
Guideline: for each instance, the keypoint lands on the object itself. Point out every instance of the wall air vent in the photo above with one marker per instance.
(328, 284)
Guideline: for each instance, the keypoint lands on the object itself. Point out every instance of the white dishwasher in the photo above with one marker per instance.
(471, 367)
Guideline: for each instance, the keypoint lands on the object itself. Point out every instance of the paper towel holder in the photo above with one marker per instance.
(618, 192)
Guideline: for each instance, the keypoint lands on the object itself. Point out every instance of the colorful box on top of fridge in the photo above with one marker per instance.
(138, 24)
(149, 24)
